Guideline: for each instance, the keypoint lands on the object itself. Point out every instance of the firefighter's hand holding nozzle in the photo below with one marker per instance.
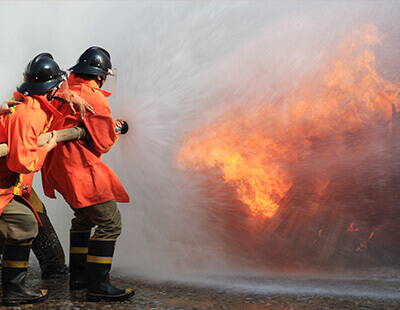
(52, 143)
(121, 127)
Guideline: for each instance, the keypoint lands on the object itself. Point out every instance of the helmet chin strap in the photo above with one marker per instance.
(51, 94)
(101, 79)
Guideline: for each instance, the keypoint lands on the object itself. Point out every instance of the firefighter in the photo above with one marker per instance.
(46, 246)
(20, 129)
(76, 170)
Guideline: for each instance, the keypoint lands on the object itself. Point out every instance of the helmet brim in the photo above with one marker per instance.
(86, 69)
(42, 88)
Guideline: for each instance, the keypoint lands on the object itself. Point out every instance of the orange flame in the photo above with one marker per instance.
(248, 162)
(257, 150)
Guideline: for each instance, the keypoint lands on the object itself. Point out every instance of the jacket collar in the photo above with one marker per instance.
(74, 80)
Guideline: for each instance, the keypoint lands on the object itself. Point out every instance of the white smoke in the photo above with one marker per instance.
(179, 64)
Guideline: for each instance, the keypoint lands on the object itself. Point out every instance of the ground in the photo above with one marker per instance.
(152, 295)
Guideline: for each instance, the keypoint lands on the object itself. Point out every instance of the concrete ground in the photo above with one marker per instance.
(180, 296)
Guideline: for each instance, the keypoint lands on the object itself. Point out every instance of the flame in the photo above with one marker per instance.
(258, 151)
(248, 161)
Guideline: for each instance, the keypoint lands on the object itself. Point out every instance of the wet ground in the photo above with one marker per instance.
(278, 294)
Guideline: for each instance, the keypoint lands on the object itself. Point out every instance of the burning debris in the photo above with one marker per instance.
(302, 171)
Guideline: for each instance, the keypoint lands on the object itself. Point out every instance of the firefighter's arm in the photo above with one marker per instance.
(101, 128)
(75, 102)
(24, 129)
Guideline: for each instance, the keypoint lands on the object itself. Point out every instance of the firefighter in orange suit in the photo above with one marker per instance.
(20, 130)
(46, 246)
(75, 169)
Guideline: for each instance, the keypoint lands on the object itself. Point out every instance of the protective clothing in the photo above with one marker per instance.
(75, 169)
(18, 223)
(14, 270)
(99, 260)
(20, 130)
(107, 219)
(41, 75)
(78, 250)
(94, 61)
(104, 216)
(46, 246)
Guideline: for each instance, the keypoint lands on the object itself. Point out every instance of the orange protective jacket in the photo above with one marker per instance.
(20, 129)
(75, 168)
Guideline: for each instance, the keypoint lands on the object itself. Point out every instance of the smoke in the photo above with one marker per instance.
(180, 65)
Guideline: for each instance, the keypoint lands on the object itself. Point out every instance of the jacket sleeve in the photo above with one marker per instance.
(101, 126)
(48, 188)
(24, 128)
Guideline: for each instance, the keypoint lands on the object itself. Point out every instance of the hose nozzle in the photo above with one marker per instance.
(123, 129)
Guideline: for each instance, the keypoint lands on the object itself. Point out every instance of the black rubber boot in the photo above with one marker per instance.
(48, 250)
(15, 264)
(99, 262)
(77, 259)
(54, 272)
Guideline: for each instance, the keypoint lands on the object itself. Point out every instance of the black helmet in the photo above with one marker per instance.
(41, 75)
(95, 61)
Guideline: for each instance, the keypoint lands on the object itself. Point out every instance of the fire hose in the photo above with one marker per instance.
(67, 134)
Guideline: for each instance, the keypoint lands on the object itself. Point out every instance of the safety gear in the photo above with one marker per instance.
(78, 250)
(95, 61)
(14, 270)
(20, 131)
(46, 246)
(48, 250)
(66, 168)
(54, 271)
(99, 262)
(104, 217)
(42, 75)
(18, 222)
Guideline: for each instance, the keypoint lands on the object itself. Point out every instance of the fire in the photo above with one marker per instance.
(248, 161)
(259, 152)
